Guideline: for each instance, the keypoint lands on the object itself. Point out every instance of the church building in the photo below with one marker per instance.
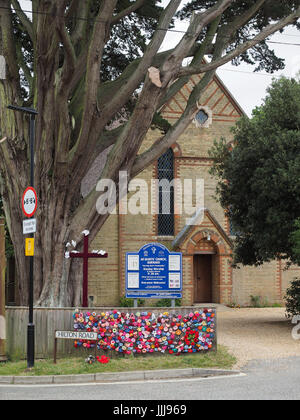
(207, 243)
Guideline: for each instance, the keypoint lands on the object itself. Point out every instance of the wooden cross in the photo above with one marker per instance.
(85, 255)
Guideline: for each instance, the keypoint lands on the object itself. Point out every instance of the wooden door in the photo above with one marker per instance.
(203, 278)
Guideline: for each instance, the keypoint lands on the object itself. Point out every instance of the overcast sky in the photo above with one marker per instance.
(247, 87)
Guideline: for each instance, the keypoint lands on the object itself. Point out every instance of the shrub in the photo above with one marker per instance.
(166, 303)
(292, 299)
(129, 303)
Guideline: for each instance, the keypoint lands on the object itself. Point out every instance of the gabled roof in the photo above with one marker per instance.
(195, 222)
(216, 96)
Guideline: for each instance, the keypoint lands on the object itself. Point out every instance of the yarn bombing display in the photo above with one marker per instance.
(144, 332)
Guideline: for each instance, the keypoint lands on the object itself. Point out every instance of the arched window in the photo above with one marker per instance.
(166, 225)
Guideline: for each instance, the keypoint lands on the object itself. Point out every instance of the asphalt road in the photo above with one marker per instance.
(260, 380)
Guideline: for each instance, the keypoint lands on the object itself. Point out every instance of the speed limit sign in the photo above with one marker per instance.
(29, 202)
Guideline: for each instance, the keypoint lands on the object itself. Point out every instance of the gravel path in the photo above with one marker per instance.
(252, 334)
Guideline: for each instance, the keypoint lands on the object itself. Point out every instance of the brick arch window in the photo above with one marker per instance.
(165, 218)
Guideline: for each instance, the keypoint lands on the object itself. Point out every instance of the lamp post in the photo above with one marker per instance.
(30, 330)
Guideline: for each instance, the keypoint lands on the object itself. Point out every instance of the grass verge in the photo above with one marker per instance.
(75, 366)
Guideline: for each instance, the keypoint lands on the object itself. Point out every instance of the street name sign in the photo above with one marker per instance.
(76, 335)
(73, 335)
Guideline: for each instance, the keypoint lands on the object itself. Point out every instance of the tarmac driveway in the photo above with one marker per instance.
(256, 334)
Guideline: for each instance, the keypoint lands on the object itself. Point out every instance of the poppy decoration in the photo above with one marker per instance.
(103, 359)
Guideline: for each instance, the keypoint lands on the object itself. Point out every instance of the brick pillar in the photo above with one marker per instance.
(2, 291)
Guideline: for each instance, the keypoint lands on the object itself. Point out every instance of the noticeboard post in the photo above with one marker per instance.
(154, 273)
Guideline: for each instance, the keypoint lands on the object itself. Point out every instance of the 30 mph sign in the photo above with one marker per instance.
(29, 202)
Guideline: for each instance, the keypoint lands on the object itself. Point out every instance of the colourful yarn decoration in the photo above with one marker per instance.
(143, 332)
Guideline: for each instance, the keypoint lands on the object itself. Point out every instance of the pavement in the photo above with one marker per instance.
(146, 375)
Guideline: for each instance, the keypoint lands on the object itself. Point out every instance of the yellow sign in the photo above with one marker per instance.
(29, 247)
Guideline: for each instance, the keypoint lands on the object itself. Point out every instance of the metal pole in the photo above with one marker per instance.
(31, 329)
(2, 292)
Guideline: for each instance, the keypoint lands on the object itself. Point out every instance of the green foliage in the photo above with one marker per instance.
(292, 298)
(259, 177)
(129, 303)
(129, 38)
(295, 240)
(166, 303)
(260, 302)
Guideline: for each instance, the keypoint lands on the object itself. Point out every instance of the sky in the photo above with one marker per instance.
(248, 88)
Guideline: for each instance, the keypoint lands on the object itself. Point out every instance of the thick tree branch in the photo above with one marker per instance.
(135, 79)
(269, 30)
(198, 23)
(198, 59)
(120, 98)
(163, 143)
(92, 82)
(69, 56)
(7, 43)
(82, 10)
(135, 6)
(23, 18)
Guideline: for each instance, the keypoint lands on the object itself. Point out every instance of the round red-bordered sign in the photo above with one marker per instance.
(29, 202)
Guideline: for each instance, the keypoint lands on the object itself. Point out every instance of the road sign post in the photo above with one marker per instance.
(29, 207)
(29, 213)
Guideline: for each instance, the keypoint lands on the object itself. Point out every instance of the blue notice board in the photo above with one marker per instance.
(154, 272)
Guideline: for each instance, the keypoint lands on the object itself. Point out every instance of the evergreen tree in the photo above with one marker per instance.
(83, 64)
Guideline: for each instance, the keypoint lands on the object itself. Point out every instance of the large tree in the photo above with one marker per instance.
(84, 64)
(259, 178)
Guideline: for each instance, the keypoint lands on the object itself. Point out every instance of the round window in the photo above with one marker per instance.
(201, 117)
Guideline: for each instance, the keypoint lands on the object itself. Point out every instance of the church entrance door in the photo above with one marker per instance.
(203, 278)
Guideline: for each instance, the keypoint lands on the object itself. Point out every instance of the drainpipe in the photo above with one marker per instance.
(2, 292)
